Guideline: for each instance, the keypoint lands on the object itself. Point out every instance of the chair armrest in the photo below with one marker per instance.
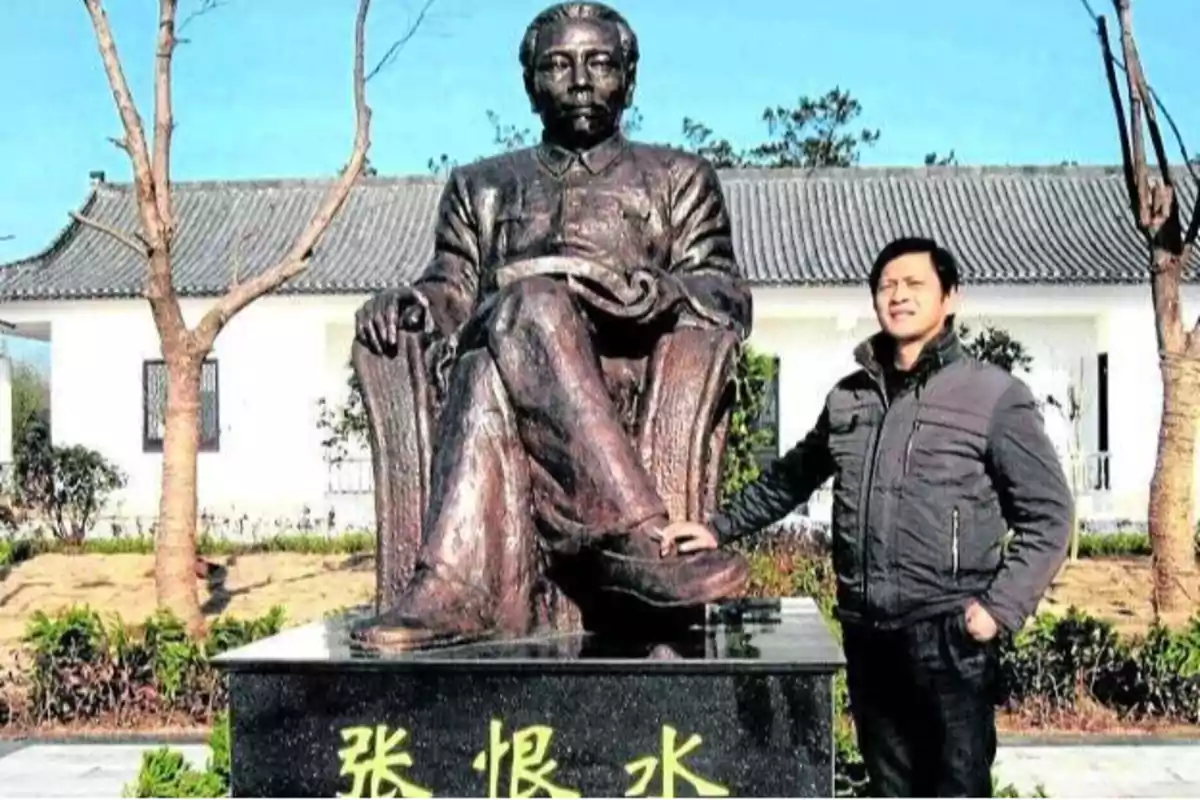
(685, 414)
(398, 399)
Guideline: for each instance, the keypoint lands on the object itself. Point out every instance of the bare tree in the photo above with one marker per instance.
(1155, 203)
(184, 349)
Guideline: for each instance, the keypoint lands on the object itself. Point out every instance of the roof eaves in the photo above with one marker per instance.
(60, 239)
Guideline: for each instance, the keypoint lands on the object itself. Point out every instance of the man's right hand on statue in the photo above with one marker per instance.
(685, 537)
(382, 318)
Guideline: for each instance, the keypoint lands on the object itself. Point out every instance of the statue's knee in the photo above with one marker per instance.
(533, 302)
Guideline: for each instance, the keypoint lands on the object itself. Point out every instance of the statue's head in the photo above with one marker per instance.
(580, 66)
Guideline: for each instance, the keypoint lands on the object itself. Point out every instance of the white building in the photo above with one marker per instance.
(1049, 254)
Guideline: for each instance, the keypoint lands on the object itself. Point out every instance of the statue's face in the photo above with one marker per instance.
(579, 85)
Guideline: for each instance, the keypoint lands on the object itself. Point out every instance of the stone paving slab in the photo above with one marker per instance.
(77, 770)
(1131, 770)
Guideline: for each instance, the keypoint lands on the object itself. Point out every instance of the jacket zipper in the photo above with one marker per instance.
(954, 541)
(865, 520)
(908, 448)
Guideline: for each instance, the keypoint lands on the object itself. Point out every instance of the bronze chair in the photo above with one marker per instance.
(679, 429)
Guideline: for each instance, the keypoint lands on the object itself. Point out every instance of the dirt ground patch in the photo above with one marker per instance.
(1112, 589)
(307, 586)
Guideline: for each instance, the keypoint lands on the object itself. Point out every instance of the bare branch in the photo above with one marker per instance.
(205, 7)
(297, 257)
(163, 119)
(7, 237)
(1137, 77)
(1183, 151)
(124, 238)
(1185, 155)
(131, 121)
(1131, 185)
(394, 50)
(119, 144)
(164, 305)
(1137, 144)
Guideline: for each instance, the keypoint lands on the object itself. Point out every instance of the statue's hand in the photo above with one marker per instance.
(381, 319)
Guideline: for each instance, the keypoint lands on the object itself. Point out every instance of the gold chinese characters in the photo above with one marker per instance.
(377, 761)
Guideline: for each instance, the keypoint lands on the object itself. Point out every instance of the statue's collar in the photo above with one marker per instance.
(558, 159)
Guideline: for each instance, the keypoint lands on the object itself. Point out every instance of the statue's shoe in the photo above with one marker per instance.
(434, 612)
(631, 564)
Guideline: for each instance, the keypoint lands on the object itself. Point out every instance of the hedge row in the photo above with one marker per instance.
(14, 551)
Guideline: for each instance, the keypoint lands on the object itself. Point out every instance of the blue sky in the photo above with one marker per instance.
(263, 87)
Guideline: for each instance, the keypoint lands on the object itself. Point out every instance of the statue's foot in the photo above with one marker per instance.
(631, 564)
(434, 612)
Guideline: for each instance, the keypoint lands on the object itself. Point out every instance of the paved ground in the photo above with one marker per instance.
(1141, 770)
(1127, 770)
(76, 770)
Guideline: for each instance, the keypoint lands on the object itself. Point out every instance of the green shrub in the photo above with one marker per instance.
(1094, 545)
(995, 346)
(343, 425)
(164, 773)
(82, 669)
(745, 438)
(350, 543)
(14, 551)
(69, 485)
(1008, 790)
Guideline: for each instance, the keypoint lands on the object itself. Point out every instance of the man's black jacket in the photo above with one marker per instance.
(931, 470)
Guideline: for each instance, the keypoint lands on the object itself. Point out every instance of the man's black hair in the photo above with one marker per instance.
(943, 262)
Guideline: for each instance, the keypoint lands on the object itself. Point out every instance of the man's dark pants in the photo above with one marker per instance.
(922, 698)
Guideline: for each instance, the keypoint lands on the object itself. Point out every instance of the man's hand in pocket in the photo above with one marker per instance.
(981, 624)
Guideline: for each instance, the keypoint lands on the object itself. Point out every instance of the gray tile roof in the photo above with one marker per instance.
(1029, 225)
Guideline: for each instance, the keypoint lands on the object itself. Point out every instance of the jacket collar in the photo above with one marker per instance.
(875, 353)
(596, 159)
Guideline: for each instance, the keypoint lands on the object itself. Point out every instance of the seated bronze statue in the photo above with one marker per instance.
(555, 387)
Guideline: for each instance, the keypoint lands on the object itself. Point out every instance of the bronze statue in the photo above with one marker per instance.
(559, 375)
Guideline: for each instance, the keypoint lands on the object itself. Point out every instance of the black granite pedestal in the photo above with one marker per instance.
(738, 706)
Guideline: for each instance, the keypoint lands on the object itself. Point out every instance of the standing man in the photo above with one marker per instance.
(935, 458)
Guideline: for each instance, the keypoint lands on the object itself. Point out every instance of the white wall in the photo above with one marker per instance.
(273, 364)
(280, 355)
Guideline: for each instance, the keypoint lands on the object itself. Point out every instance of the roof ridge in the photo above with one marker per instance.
(280, 182)
(857, 173)
(739, 173)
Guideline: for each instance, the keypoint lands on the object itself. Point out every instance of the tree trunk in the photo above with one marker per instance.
(175, 551)
(1172, 534)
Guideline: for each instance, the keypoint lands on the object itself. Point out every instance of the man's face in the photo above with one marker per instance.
(909, 301)
(579, 85)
